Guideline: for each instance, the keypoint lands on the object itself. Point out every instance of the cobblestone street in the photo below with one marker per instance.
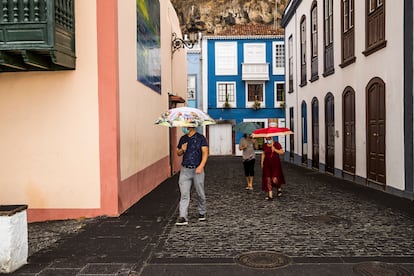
(322, 225)
(317, 215)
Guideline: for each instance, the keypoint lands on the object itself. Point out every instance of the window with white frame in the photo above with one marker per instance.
(226, 94)
(278, 55)
(226, 58)
(255, 93)
(254, 53)
(191, 87)
(279, 89)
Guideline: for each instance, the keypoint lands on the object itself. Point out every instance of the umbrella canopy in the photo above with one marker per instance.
(246, 127)
(184, 117)
(271, 131)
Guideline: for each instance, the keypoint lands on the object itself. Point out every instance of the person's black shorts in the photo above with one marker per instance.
(249, 167)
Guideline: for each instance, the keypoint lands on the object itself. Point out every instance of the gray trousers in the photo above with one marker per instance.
(187, 178)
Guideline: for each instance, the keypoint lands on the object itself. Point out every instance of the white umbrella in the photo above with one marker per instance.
(184, 117)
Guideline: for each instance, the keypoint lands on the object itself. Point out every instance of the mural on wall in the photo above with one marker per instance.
(149, 44)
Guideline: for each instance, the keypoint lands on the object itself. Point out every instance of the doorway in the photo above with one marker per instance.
(375, 100)
(329, 133)
(220, 139)
(315, 133)
(349, 148)
(304, 133)
(291, 137)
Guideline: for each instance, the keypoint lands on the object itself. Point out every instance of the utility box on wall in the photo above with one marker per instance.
(13, 237)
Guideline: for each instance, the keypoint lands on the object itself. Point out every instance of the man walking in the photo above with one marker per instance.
(193, 147)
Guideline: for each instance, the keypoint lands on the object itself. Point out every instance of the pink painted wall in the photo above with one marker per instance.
(121, 155)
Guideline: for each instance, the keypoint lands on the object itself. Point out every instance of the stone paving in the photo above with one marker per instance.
(317, 216)
(324, 225)
(42, 235)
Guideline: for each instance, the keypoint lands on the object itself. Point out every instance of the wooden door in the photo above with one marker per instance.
(315, 133)
(376, 131)
(329, 134)
(304, 122)
(349, 149)
(291, 137)
(220, 139)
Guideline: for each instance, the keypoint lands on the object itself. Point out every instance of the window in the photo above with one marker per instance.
(254, 66)
(191, 87)
(375, 26)
(374, 4)
(328, 38)
(226, 58)
(226, 94)
(303, 51)
(348, 33)
(254, 94)
(290, 49)
(278, 58)
(328, 15)
(254, 52)
(314, 42)
(279, 94)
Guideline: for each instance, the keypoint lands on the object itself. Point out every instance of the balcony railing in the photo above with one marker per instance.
(255, 71)
(37, 35)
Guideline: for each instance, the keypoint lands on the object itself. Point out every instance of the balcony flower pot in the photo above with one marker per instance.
(226, 105)
(256, 105)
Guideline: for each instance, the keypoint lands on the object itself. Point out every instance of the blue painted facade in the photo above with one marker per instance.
(194, 70)
(241, 110)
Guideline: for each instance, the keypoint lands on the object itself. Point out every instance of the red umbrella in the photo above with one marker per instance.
(271, 131)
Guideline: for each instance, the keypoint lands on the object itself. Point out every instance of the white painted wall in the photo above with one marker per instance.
(387, 64)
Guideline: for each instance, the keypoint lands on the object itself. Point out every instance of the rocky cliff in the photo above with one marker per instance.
(213, 17)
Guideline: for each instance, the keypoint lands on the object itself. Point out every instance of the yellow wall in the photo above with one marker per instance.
(49, 123)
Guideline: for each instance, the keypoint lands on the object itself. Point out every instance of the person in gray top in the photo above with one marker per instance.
(248, 145)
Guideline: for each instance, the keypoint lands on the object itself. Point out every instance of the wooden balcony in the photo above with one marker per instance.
(255, 71)
(37, 35)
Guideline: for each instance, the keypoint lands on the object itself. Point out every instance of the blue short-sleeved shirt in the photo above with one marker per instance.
(193, 154)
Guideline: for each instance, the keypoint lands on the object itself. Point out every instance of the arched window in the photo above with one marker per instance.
(303, 51)
(314, 41)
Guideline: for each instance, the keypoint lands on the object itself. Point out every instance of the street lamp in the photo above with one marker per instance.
(188, 42)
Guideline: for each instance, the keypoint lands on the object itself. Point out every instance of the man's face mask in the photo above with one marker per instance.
(268, 141)
(185, 130)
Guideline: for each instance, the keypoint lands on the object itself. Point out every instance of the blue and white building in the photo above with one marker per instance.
(242, 80)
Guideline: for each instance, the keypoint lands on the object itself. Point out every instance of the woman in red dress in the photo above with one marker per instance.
(272, 175)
